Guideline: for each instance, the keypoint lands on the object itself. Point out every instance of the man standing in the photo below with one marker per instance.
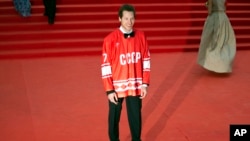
(125, 73)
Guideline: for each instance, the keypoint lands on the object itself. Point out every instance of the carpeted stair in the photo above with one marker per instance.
(80, 26)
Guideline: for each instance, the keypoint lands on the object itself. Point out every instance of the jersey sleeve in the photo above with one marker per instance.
(146, 62)
(106, 69)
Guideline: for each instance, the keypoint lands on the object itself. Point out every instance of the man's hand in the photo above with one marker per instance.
(113, 98)
(144, 91)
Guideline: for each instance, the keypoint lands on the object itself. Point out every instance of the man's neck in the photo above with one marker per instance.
(123, 31)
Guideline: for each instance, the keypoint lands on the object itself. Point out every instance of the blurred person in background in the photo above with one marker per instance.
(218, 43)
(23, 7)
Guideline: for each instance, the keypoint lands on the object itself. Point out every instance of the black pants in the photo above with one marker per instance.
(50, 9)
(133, 104)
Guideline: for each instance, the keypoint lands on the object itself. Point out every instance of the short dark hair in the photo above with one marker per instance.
(126, 7)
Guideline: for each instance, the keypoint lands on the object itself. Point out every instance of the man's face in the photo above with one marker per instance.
(127, 20)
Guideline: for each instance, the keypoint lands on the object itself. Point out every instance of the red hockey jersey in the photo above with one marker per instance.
(125, 63)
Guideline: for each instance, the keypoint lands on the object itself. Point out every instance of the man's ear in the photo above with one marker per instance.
(120, 19)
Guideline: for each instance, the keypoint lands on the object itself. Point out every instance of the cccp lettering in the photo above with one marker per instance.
(129, 58)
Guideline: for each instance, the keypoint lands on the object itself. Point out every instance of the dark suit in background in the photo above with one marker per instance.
(50, 10)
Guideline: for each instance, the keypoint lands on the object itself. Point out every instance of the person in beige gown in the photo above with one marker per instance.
(218, 43)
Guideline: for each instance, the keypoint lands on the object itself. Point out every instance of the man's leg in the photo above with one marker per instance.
(114, 119)
(50, 10)
(134, 105)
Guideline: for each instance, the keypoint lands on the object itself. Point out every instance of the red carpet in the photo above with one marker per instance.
(62, 99)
